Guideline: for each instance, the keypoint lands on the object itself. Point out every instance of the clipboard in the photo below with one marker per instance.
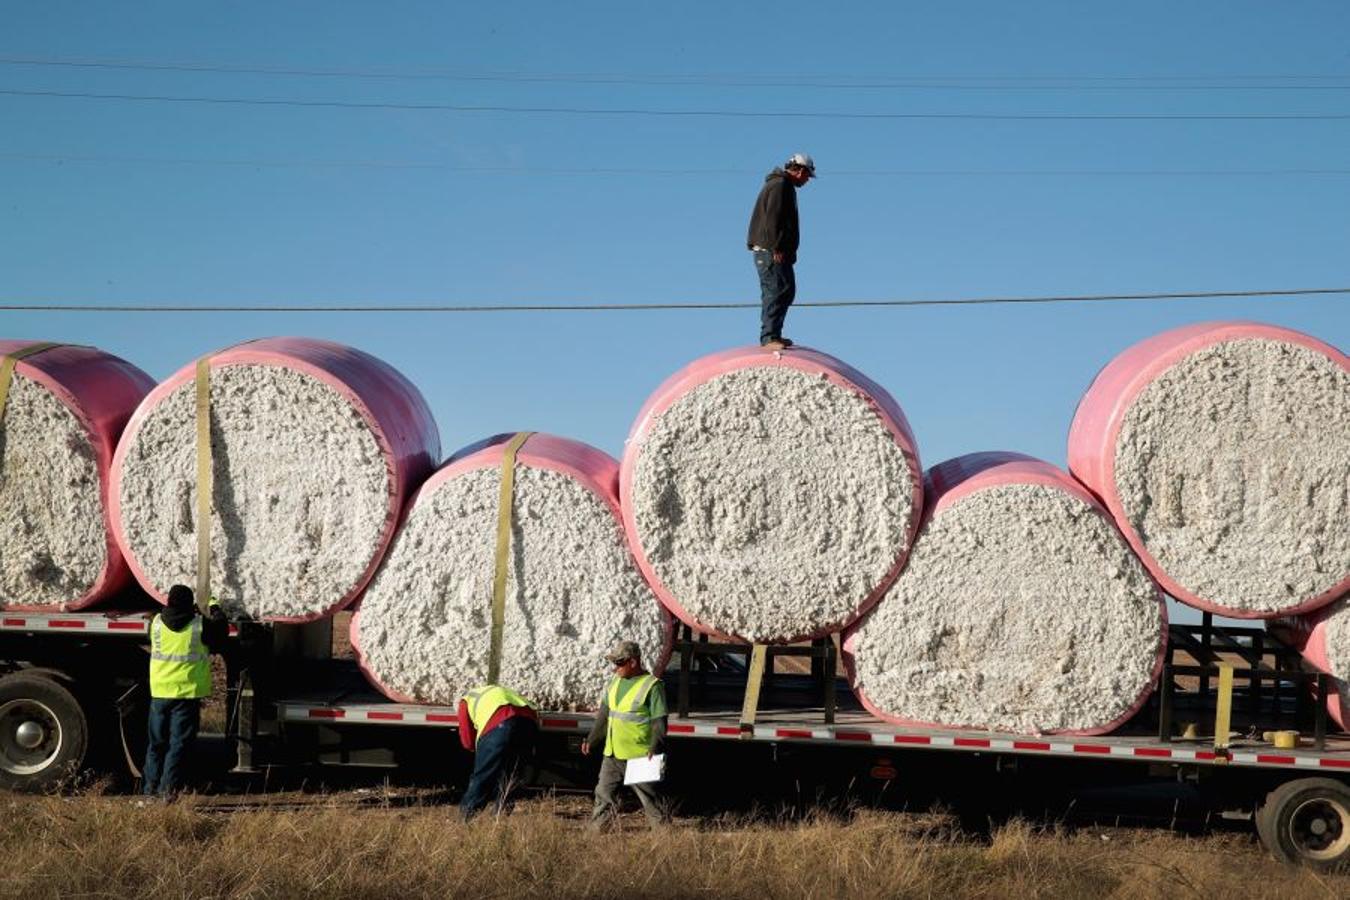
(644, 770)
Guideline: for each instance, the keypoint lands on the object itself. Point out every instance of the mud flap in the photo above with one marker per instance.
(130, 709)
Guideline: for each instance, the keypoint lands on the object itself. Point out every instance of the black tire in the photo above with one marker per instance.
(43, 733)
(1307, 822)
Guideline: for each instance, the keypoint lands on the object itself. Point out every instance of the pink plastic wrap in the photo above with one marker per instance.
(1096, 426)
(391, 405)
(1308, 634)
(101, 390)
(948, 482)
(804, 359)
(594, 469)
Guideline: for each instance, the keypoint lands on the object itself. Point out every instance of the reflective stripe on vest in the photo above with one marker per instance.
(484, 702)
(180, 667)
(629, 731)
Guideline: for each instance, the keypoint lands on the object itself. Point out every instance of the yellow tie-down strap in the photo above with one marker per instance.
(504, 503)
(1223, 708)
(7, 369)
(204, 486)
(754, 678)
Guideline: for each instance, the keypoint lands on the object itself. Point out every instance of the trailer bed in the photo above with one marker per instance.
(339, 697)
(852, 728)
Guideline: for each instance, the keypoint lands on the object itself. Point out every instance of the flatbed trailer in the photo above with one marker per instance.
(73, 694)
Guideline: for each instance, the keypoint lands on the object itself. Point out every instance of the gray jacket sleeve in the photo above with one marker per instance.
(597, 736)
(659, 734)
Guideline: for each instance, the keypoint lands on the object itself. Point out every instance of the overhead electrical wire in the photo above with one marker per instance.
(650, 307)
(905, 82)
(677, 113)
(620, 170)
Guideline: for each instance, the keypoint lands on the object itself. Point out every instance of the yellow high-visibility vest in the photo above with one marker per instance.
(180, 667)
(483, 703)
(629, 729)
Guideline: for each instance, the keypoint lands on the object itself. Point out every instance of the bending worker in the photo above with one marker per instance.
(499, 727)
(180, 678)
(632, 723)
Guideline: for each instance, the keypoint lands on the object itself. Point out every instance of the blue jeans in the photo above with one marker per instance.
(777, 290)
(500, 755)
(173, 729)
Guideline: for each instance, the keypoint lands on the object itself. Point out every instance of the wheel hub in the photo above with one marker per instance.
(1320, 828)
(30, 736)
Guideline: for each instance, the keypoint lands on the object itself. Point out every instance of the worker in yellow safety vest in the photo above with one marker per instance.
(180, 678)
(499, 727)
(632, 724)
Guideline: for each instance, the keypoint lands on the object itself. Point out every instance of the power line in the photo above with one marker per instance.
(619, 170)
(681, 113)
(648, 307)
(907, 82)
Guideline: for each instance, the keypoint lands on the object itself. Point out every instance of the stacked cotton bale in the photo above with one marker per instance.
(314, 449)
(770, 497)
(1323, 638)
(1222, 450)
(423, 630)
(1021, 609)
(65, 408)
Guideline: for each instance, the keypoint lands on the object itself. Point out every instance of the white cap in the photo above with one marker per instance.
(805, 161)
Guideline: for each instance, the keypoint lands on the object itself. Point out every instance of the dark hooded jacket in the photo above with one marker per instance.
(773, 224)
(215, 628)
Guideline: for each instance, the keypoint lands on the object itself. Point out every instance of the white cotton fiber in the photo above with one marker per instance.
(423, 629)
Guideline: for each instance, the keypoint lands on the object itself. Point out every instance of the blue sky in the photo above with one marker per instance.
(953, 212)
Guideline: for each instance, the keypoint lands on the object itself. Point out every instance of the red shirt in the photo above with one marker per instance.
(468, 737)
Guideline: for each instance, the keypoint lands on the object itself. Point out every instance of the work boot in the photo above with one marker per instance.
(774, 344)
(785, 342)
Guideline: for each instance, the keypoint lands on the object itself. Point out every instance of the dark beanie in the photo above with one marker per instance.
(180, 597)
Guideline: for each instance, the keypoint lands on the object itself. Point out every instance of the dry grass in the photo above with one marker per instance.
(340, 847)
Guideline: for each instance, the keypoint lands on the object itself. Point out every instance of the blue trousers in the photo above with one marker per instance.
(777, 290)
(500, 755)
(173, 730)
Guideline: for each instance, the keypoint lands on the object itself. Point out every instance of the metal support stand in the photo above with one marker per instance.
(245, 713)
(822, 653)
(1207, 642)
(1320, 717)
(828, 672)
(1254, 676)
(686, 661)
(1165, 700)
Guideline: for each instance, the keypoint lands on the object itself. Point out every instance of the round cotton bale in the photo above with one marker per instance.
(65, 409)
(1222, 450)
(1323, 637)
(1022, 609)
(315, 447)
(423, 629)
(770, 497)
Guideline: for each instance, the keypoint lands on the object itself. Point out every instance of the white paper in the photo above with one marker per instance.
(643, 770)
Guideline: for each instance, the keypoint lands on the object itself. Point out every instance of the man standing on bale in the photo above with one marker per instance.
(499, 727)
(632, 724)
(773, 238)
(180, 678)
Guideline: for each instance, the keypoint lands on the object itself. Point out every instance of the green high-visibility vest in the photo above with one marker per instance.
(180, 667)
(483, 703)
(629, 729)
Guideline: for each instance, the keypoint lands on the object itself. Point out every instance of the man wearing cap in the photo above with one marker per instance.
(773, 238)
(632, 724)
(180, 678)
(499, 727)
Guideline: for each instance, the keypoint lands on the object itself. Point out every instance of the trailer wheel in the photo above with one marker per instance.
(1307, 821)
(43, 733)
